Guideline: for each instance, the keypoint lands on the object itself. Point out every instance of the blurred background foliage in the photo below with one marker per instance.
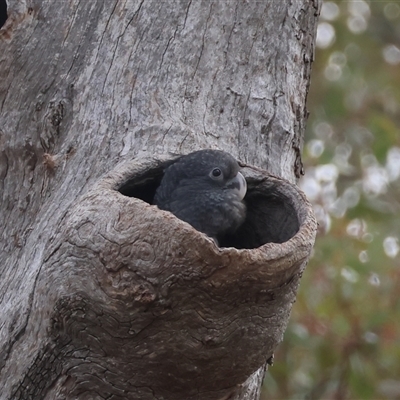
(343, 339)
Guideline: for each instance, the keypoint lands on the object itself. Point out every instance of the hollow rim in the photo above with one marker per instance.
(297, 248)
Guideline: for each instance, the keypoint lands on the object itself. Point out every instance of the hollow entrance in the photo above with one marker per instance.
(271, 211)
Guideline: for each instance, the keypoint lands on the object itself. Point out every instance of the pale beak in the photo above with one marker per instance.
(238, 183)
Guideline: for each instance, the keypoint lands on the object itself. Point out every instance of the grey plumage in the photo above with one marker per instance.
(205, 189)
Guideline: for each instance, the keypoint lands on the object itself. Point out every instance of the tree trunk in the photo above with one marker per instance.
(103, 295)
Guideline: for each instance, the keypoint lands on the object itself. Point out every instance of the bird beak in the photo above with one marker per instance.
(238, 183)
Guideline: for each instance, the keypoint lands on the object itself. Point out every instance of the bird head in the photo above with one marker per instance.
(211, 169)
(205, 188)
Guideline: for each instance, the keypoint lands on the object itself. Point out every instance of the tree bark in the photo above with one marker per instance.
(98, 288)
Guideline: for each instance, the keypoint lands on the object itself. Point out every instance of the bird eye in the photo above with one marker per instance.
(216, 172)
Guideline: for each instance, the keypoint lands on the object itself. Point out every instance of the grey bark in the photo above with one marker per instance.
(102, 295)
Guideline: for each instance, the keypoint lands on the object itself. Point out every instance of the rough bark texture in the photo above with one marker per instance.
(102, 295)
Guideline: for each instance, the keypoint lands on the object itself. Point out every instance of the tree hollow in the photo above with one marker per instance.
(139, 266)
